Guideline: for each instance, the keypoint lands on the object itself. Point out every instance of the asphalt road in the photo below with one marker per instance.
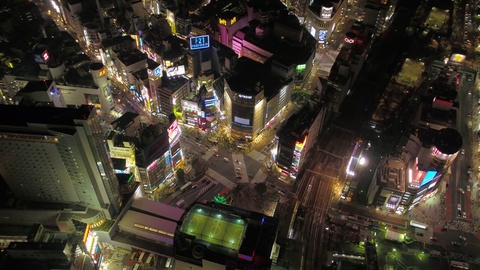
(459, 192)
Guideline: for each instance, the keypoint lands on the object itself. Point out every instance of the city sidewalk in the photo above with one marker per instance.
(259, 177)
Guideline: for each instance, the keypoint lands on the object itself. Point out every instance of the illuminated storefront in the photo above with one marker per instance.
(190, 113)
(90, 240)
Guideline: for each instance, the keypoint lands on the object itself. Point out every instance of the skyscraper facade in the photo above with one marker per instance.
(58, 155)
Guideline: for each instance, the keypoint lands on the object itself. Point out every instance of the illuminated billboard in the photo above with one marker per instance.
(155, 73)
(199, 42)
(42, 58)
(209, 102)
(459, 58)
(175, 71)
(393, 201)
(173, 131)
(327, 12)
(322, 35)
(242, 121)
(429, 176)
(299, 145)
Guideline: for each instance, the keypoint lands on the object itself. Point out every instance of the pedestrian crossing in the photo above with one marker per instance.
(257, 155)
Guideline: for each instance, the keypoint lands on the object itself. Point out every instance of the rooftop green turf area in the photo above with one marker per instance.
(214, 226)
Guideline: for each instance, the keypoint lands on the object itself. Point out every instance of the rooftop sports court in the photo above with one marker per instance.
(214, 226)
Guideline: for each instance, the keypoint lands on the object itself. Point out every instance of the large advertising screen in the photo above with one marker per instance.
(199, 42)
(209, 102)
(241, 121)
(322, 35)
(429, 176)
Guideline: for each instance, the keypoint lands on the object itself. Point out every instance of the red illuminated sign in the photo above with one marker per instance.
(172, 131)
(45, 56)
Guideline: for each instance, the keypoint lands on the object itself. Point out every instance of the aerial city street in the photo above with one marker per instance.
(175, 134)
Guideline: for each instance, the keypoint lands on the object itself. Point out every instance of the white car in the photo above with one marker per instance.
(459, 207)
(462, 237)
(461, 191)
(464, 215)
(468, 188)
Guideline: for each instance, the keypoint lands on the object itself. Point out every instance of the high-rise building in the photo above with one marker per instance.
(403, 181)
(294, 139)
(58, 155)
(322, 17)
(253, 97)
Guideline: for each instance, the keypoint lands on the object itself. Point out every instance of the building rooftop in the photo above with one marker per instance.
(298, 124)
(215, 227)
(225, 235)
(110, 42)
(119, 163)
(152, 143)
(141, 74)
(46, 247)
(79, 75)
(24, 115)
(152, 64)
(37, 86)
(392, 172)
(173, 83)
(157, 209)
(448, 141)
(131, 57)
(124, 121)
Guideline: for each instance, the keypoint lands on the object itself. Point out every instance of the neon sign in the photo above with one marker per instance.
(224, 21)
(45, 56)
(245, 96)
